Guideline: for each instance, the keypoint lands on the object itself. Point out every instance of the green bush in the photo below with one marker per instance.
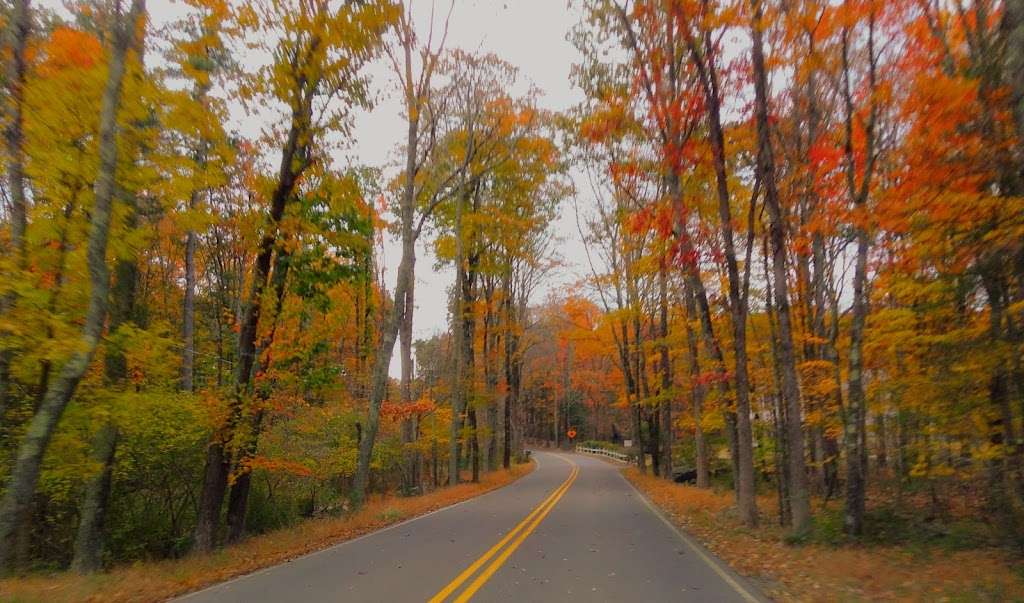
(602, 445)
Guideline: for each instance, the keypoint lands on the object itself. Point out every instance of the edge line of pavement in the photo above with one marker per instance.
(725, 573)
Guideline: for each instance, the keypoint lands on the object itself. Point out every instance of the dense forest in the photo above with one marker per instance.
(806, 248)
(196, 333)
(804, 225)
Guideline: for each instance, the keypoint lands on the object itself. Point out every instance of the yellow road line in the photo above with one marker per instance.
(469, 571)
(497, 563)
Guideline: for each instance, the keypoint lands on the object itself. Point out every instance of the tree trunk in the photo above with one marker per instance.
(294, 159)
(402, 309)
(697, 394)
(89, 541)
(855, 428)
(123, 309)
(510, 389)
(458, 328)
(799, 496)
(238, 499)
(23, 479)
(778, 407)
(1007, 489)
(468, 356)
(513, 368)
(382, 357)
(746, 495)
(412, 101)
(853, 519)
(409, 456)
(17, 42)
(188, 311)
(490, 358)
(211, 498)
(1012, 27)
(667, 394)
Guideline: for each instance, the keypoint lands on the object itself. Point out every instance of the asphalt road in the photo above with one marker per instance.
(573, 529)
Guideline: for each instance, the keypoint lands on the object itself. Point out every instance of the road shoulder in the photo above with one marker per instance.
(162, 580)
(742, 585)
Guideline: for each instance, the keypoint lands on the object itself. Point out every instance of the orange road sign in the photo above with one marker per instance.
(571, 433)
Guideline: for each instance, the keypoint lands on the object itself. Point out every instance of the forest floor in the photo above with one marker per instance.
(955, 567)
(160, 580)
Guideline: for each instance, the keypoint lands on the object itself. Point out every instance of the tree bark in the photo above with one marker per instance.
(490, 358)
(25, 474)
(853, 519)
(799, 496)
(458, 345)
(512, 367)
(697, 393)
(17, 43)
(89, 541)
(238, 499)
(469, 364)
(188, 311)
(415, 100)
(294, 160)
(410, 458)
(746, 492)
(88, 556)
(1012, 27)
(779, 410)
(855, 428)
(382, 357)
(665, 420)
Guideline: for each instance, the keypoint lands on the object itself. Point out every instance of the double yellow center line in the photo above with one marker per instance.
(513, 539)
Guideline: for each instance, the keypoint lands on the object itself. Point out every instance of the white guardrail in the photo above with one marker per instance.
(618, 456)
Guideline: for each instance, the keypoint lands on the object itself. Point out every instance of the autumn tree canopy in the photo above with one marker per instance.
(802, 224)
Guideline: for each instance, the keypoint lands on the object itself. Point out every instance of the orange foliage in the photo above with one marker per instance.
(813, 572)
(71, 49)
(397, 412)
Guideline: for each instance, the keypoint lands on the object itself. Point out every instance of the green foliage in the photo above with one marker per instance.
(893, 526)
(337, 237)
(391, 515)
(602, 445)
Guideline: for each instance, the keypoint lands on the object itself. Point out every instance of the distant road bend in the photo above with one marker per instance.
(572, 529)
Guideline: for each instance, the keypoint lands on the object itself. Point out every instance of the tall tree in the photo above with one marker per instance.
(22, 484)
(317, 58)
(790, 388)
(416, 92)
(858, 192)
(201, 56)
(419, 117)
(16, 66)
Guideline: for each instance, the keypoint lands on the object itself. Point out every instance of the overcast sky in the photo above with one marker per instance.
(529, 34)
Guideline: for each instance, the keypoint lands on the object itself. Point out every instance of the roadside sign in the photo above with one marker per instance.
(571, 433)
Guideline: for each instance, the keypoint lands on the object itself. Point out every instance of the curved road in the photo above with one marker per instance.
(574, 528)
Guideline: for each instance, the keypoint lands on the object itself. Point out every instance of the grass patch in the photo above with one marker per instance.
(902, 558)
(390, 515)
(160, 580)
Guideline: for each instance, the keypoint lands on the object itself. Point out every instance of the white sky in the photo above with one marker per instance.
(529, 34)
